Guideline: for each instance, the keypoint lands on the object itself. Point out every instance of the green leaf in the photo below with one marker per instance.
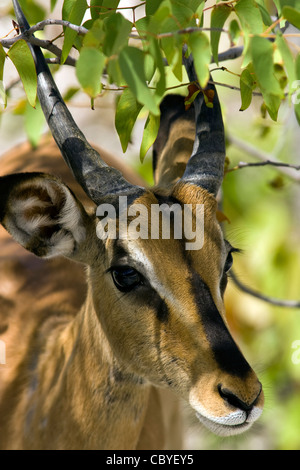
(297, 66)
(264, 12)
(163, 13)
(172, 46)
(152, 6)
(117, 30)
(219, 15)
(280, 75)
(200, 48)
(272, 103)
(73, 11)
(194, 5)
(234, 31)
(3, 96)
(173, 53)
(2, 61)
(262, 55)
(160, 81)
(263, 65)
(182, 13)
(247, 84)
(132, 62)
(114, 72)
(251, 21)
(89, 68)
(292, 15)
(287, 59)
(249, 15)
(33, 11)
(296, 84)
(103, 8)
(199, 12)
(20, 55)
(34, 123)
(150, 134)
(127, 113)
(95, 36)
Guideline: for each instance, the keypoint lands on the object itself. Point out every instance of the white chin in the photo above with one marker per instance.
(223, 429)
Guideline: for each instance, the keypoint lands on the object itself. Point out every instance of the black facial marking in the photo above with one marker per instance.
(225, 351)
(160, 306)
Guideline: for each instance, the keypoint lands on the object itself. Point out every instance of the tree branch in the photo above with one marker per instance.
(81, 30)
(44, 44)
(230, 54)
(265, 298)
(267, 162)
(265, 159)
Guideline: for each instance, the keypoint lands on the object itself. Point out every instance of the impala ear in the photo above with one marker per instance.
(42, 214)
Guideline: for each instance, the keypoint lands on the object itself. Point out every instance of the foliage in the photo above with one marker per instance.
(131, 54)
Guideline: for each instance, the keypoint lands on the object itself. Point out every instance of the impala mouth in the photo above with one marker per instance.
(235, 423)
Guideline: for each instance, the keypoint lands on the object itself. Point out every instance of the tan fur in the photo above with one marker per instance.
(40, 297)
(101, 378)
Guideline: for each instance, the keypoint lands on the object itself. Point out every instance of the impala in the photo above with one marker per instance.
(97, 358)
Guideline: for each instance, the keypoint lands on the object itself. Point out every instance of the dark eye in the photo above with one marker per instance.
(126, 278)
(228, 262)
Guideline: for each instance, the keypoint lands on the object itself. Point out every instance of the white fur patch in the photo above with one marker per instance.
(71, 219)
(233, 423)
(29, 216)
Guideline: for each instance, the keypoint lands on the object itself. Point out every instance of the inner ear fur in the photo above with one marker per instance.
(42, 214)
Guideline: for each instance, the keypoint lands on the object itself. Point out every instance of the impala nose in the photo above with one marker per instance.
(237, 402)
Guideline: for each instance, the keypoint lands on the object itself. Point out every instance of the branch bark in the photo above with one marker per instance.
(28, 36)
(265, 298)
(44, 44)
(265, 159)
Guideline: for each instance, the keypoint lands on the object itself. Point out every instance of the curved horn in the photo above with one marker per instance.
(98, 180)
(205, 167)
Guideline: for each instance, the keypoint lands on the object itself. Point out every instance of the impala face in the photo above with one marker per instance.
(165, 318)
(154, 312)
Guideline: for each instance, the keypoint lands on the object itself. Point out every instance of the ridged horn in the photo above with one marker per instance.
(97, 179)
(205, 167)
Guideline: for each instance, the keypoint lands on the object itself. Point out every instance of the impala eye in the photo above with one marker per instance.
(228, 262)
(126, 278)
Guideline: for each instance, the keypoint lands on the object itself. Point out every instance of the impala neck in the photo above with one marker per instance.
(95, 403)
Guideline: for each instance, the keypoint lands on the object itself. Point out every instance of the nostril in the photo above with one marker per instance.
(235, 401)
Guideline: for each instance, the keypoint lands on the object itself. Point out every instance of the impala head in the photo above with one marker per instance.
(159, 301)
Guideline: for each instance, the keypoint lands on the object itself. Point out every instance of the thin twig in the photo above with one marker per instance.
(81, 30)
(44, 44)
(267, 162)
(287, 169)
(265, 298)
